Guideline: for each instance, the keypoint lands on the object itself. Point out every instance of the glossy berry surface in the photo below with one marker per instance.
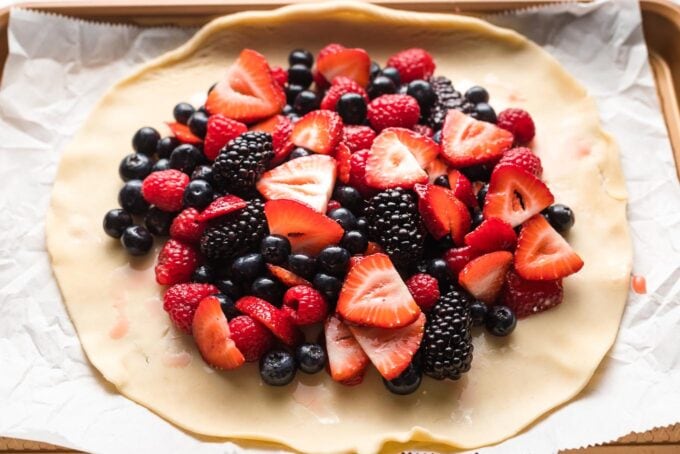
(145, 139)
(303, 265)
(298, 152)
(301, 57)
(165, 147)
(477, 94)
(438, 269)
(130, 197)
(135, 166)
(198, 194)
(268, 289)
(381, 85)
(328, 285)
(560, 217)
(275, 249)
(300, 74)
(423, 93)
(334, 260)
(292, 92)
(443, 181)
(228, 306)
(202, 172)
(352, 108)
(311, 358)
(161, 164)
(344, 217)
(485, 112)
(478, 312)
(136, 240)
(362, 224)
(277, 368)
(500, 321)
(305, 102)
(248, 267)
(158, 222)
(392, 74)
(229, 288)
(116, 221)
(198, 123)
(354, 241)
(406, 383)
(182, 112)
(185, 158)
(202, 274)
(348, 197)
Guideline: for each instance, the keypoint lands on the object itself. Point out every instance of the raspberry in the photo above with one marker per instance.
(357, 174)
(457, 258)
(220, 131)
(304, 305)
(343, 157)
(412, 64)
(523, 158)
(181, 300)
(424, 130)
(333, 205)
(530, 297)
(185, 227)
(165, 189)
(251, 338)
(341, 85)
(424, 289)
(176, 263)
(519, 123)
(281, 142)
(280, 75)
(387, 111)
(358, 137)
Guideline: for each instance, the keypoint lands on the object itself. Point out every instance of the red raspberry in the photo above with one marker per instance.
(387, 111)
(186, 227)
(304, 305)
(176, 263)
(280, 75)
(220, 131)
(523, 158)
(252, 338)
(181, 300)
(424, 130)
(333, 205)
(358, 137)
(530, 297)
(281, 142)
(319, 80)
(165, 189)
(341, 85)
(343, 157)
(457, 258)
(519, 123)
(357, 175)
(412, 64)
(424, 289)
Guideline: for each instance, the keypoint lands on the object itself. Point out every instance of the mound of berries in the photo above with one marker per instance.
(335, 215)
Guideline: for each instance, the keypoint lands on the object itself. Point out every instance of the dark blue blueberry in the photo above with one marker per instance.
(203, 275)
(306, 101)
(277, 367)
(375, 70)
(392, 74)
(480, 172)
(560, 217)
(423, 93)
(135, 166)
(484, 112)
(293, 117)
(500, 321)
(478, 312)
(443, 181)
(136, 240)
(334, 260)
(275, 249)
(477, 94)
(362, 224)
(161, 164)
(287, 109)
(165, 146)
(198, 194)
(130, 197)
(202, 172)
(268, 289)
(198, 123)
(185, 158)
(477, 218)
(182, 112)
(145, 140)
(344, 217)
(355, 242)
(438, 269)
(352, 108)
(406, 383)
(248, 267)
(158, 222)
(301, 57)
(292, 92)
(303, 265)
(116, 221)
(229, 288)
(299, 74)
(328, 285)
(311, 358)
(228, 306)
(299, 152)
(348, 197)
(381, 85)
(481, 195)
(437, 137)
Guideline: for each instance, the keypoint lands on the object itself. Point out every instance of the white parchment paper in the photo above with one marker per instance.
(59, 67)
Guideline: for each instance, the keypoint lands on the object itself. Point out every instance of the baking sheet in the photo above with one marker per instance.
(59, 67)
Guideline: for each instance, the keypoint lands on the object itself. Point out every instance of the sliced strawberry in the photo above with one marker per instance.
(390, 350)
(530, 297)
(221, 206)
(373, 294)
(491, 235)
(466, 141)
(457, 258)
(339, 61)
(212, 336)
(307, 230)
(183, 133)
(287, 278)
(483, 277)
(248, 91)
(515, 195)
(443, 213)
(462, 188)
(319, 131)
(543, 254)
(435, 169)
(308, 180)
(343, 156)
(219, 132)
(268, 125)
(346, 360)
(272, 317)
(397, 159)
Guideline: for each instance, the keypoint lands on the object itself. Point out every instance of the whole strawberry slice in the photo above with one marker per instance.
(341, 85)
(252, 338)
(373, 294)
(248, 91)
(221, 206)
(390, 111)
(412, 64)
(280, 127)
(272, 317)
(515, 195)
(346, 360)
(543, 254)
(491, 235)
(286, 277)
(462, 188)
(358, 137)
(442, 212)
(309, 180)
(186, 226)
(335, 60)
(213, 338)
(176, 263)
(530, 297)
(483, 277)
(181, 300)
(319, 131)
(165, 189)
(183, 133)
(466, 141)
(307, 230)
(220, 131)
(390, 350)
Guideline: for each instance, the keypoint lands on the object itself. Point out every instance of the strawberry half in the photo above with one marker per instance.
(272, 317)
(212, 336)
(308, 180)
(483, 277)
(346, 360)
(530, 297)
(515, 195)
(462, 188)
(466, 141)
(543, 254)
(183, 133)
(219, 132)
(335, 60)
(319, 131)
(373, 294)
(221, 206)
(248, 91)
(307, 230)
(491, 235)
(442, 212)
(287, 277)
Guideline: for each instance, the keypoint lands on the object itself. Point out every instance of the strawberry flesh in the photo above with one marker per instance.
(212, 336)
(272, 317)
(526, 297)
(319, 131)
(397, 159)
(484, 276)
(491, 235)
(462, 188)
(221, 206)
(466, 141)
(183, 133)
(339, 61)
(443, 213)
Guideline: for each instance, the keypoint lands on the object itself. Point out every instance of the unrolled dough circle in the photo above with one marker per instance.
(116, 305)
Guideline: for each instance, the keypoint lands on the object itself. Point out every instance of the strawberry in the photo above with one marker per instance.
(165, 189)
(181, 300)
(530, 297)
(341, 85)
(523, 158)
(221, 206)
(252, 338)
(515, 195)
(457, 258)
(176, 263)
(335, 60)
(390, 350)
(287, 278)
(319, 131)
(491, 235)
(346, 360)
(280, 127)
(435, 169)
(442, 212)
(183, 133)
(412, 64)
(423, 130)
(343, 156)
(462, 188)
(213, 338)
(304, 305)
(483, 277)
(358, 137)
(280, 75)
(373, 248)
(354, 260)
(272, 317)
(357, 174)
(248, 91)
(186, 227)
(519, 123)
(220, 131)
(389, 111)
(307, 230)
(424, 289)
(543, 254)
(308, 180)
(320, 81)
(373, 294)
(466, 141)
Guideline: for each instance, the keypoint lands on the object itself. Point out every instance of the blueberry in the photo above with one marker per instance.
(136, 240)
(248, 267)
(287, 109)
(392, 74)
(334, 260)
(352, 108)
(185, 158)
(348, 197)
(202, 172)
(301, 57)
(268, 289)
(211, 88)
(198, 123)
(381, 85)
(422, 92)
(477, 218)
(198, 194)
(182, 112)
(406, 383)
(299, 152)
(299, 74)
(477, 94)
(328, 285)
(116, 221)
(165, 146)
(479, 172)
(135, 166)
(158, 222)
(374, 71)
(277, 368)
(311, 358)
(292, 92)
(478, 312)
(203, 274)
(481, 195)
(228, 306)
(306, 101)
(161, 164)
(229, 288)
(362, 224)
(500, 321)
(145, 140)
(344, 217)
(443, 181)
(293, 117)
(130, 197)
(302, 265)
(437, 137)
(438, 269)
(560, 217)
(354, 241)
(275, 249)
(445, 243)
(484, 112)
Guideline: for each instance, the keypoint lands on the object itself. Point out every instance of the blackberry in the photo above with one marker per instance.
(394, 223)
(242, 162)
(236, 233)
(447, 98)
(447, 344)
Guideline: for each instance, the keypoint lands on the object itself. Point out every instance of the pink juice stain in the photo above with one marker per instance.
(176, 359)
(123, 280)
(639, 284)
(317, 400)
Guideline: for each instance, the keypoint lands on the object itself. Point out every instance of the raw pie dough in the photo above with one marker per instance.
(116, 305)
